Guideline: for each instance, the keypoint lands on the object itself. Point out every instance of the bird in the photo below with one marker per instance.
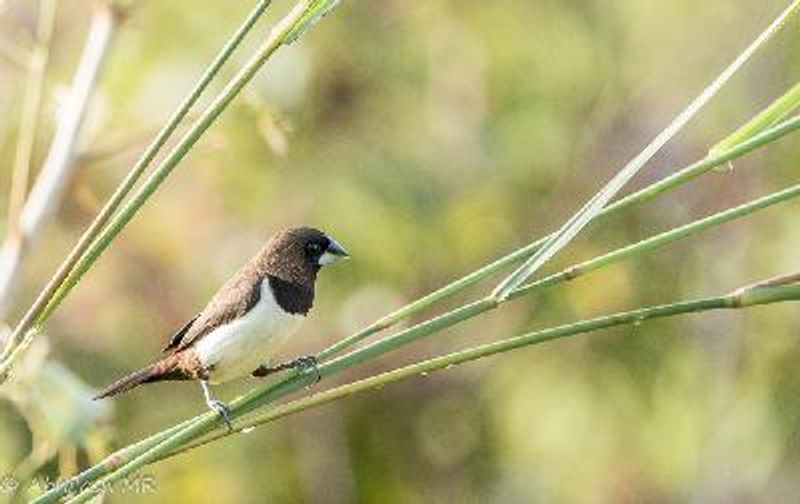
(247, 320)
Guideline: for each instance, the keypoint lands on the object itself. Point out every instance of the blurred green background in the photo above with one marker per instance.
(430, 137)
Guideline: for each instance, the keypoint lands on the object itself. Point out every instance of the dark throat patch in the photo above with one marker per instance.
(293, 298)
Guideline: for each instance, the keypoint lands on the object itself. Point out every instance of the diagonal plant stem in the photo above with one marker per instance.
(121, 457)
(777, 281)
(735, 300)
(35, 314)
(295, 383)
(468, 280)
(248, 403)
(149, 449)
(107, 465)
(595, 205)
(780, 109)
(204, 423)
(300, 18)
(297, 21)
(659, 240)
(473, 309)
(646, 194)
(746, 298)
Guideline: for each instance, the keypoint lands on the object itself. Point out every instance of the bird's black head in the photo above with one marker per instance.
(297, 254)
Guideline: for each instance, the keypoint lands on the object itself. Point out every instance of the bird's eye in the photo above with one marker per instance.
(314, 248)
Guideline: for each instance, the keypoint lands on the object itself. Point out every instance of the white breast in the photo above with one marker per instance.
(238, 347)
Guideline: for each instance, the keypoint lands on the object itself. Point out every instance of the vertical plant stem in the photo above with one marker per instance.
(31, 106)
(59, 166)
(11, 252)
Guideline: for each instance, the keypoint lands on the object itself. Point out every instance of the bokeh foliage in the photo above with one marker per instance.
(429, 137)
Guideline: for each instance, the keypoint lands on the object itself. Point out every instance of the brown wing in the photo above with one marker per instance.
(232, 301)
(175, 341)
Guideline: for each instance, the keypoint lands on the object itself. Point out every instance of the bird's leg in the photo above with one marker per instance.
(216, 405)
(304, 363)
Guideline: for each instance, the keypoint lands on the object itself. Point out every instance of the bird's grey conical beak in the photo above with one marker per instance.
(334, 253)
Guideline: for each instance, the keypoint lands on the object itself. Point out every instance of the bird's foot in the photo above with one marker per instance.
(304, 364)
(223, 411)
(308, 363)
(216, 405)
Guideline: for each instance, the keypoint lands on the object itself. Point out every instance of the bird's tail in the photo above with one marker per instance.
(161, 370)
